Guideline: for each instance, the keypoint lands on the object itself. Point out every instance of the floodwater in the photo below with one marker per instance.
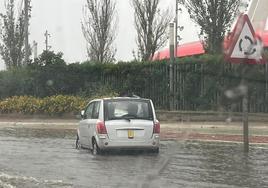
(42, 158)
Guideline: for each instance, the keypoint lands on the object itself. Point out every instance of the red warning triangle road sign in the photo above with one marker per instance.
(243, 46)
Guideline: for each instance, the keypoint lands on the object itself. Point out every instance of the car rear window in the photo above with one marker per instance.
(128, 109)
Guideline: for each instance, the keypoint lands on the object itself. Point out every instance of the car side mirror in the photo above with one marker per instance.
(82, 114)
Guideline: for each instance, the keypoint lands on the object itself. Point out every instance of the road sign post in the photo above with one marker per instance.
(245, 123)
(244, 47)
(245, 113)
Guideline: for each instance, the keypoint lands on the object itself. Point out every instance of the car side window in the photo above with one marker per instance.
(96, 110)
(89, 111)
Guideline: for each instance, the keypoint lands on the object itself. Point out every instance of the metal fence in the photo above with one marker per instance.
(197, 86)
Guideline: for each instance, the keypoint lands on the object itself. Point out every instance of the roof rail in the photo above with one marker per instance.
(136, 96)
(129, 95)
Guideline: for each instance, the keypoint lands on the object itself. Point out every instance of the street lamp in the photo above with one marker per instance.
(26, 28)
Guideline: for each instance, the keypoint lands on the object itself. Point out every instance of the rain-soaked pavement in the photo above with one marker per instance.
(47, 158)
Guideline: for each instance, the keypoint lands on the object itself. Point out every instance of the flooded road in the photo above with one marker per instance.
(48, 158)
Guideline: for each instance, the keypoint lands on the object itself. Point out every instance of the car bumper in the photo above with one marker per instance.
(105, 143)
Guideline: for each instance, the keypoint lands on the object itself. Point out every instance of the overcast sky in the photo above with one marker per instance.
(62, 19)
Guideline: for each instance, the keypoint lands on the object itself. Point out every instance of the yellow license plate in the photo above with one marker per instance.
(130, 134)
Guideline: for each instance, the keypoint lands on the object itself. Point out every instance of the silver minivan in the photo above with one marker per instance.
(119, 123)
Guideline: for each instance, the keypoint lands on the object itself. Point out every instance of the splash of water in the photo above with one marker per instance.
(7, 180)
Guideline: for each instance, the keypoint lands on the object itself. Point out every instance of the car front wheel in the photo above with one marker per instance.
(95, 148)
(156, 151)
(77, 142)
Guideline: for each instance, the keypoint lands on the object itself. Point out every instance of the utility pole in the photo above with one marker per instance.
(176, 55)
(26, 27)
(176, 29)
(171, 66)
(35, 49)
(47, 35)
(266, 80)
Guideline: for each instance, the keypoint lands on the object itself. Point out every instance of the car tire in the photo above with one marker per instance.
(95, 148)
(156, 151)
(77, 143)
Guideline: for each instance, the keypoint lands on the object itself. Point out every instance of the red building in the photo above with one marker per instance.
(197, 48)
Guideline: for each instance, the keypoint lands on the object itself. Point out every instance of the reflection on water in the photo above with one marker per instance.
(219, 165)
(47, 158)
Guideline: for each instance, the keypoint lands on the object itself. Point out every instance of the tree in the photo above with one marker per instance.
(50, 58)
(12, 36)
(151, 26)
(99, 29)
(214, 18)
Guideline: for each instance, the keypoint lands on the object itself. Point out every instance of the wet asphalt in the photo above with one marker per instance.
(48, 158)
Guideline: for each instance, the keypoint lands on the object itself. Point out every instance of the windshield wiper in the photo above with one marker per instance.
(114, 118)
(121, 118)
(129, 117)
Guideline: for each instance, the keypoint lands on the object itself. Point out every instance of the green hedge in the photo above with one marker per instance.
(200, 82)
(54, 105)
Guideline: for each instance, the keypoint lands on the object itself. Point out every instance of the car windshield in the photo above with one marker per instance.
(128, 109)
(133, 93)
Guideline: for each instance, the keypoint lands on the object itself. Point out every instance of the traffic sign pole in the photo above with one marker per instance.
(245, 118)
